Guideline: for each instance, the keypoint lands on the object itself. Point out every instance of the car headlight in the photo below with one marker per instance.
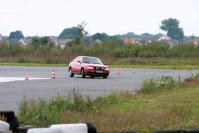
(106, 69)
(89, 67)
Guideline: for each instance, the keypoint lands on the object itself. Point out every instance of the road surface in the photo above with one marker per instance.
(13, 87)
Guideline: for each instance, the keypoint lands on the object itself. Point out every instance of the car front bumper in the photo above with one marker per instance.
(92, 72)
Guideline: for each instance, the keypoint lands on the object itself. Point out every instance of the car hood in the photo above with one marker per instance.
(95, 65)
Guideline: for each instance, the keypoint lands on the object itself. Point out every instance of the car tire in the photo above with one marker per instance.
(105, 77)
(71, 74)
(83, 73)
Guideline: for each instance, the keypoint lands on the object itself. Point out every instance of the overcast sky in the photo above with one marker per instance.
(50, 17)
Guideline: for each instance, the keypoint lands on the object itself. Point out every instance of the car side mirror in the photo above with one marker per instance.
(79, 62)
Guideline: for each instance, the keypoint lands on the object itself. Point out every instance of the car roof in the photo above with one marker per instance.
(88, 56)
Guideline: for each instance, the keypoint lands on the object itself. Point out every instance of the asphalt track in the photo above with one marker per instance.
(11, 93)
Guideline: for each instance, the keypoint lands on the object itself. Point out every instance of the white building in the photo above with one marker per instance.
(164, 38)
(64, 42)
(196, 42)
(60, 42)
(25, 41)
(167, 39)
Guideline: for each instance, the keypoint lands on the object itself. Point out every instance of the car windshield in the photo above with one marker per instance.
(91, 60)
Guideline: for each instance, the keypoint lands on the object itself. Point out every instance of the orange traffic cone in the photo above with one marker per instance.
(53, 74)
(118, 72)
(26, 77)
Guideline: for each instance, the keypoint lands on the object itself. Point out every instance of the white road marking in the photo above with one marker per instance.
(10, 79)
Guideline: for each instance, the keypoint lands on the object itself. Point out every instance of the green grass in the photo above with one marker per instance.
(156, 63)
(33, 64)
(162, 83)
(159, 63)
(155, 66)
(163, 109)
(111, 66)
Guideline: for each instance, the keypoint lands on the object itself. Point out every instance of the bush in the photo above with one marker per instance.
(197, 76)
(112, 49)
(22, 60)
(43, 112)
(51, 61)
(192, 78)
(164, 82)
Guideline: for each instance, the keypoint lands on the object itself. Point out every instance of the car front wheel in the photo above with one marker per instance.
(105, 76)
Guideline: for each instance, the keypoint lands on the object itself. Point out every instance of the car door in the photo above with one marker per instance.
(74, 65)
(77, 65)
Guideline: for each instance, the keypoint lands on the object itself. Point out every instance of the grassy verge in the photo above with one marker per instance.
(155, 66)
(111, 66)
(170, 106)
(158, 63)
(33, 64)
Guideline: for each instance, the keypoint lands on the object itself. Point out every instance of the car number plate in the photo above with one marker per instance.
(97, 71)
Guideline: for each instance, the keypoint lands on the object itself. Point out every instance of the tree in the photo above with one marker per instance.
(75, 33)
(81, 32)
(16, 35)
(100, 36)
(69, 33)
(147, 36)
(41, 43)
(171, 26)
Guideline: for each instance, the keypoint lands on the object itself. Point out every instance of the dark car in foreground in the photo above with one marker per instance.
(88, 66)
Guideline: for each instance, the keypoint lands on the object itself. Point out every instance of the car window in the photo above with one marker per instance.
(79, 59)
(92, 60)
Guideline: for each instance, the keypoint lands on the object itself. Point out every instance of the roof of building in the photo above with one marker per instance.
(165, 37)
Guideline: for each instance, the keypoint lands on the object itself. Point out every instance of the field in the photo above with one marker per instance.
(161, 63)
(112, 52)
(173, 107)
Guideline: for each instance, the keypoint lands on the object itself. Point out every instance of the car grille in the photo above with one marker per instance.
(99, 68)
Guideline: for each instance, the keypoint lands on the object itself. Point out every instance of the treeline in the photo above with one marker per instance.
(43, 51)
